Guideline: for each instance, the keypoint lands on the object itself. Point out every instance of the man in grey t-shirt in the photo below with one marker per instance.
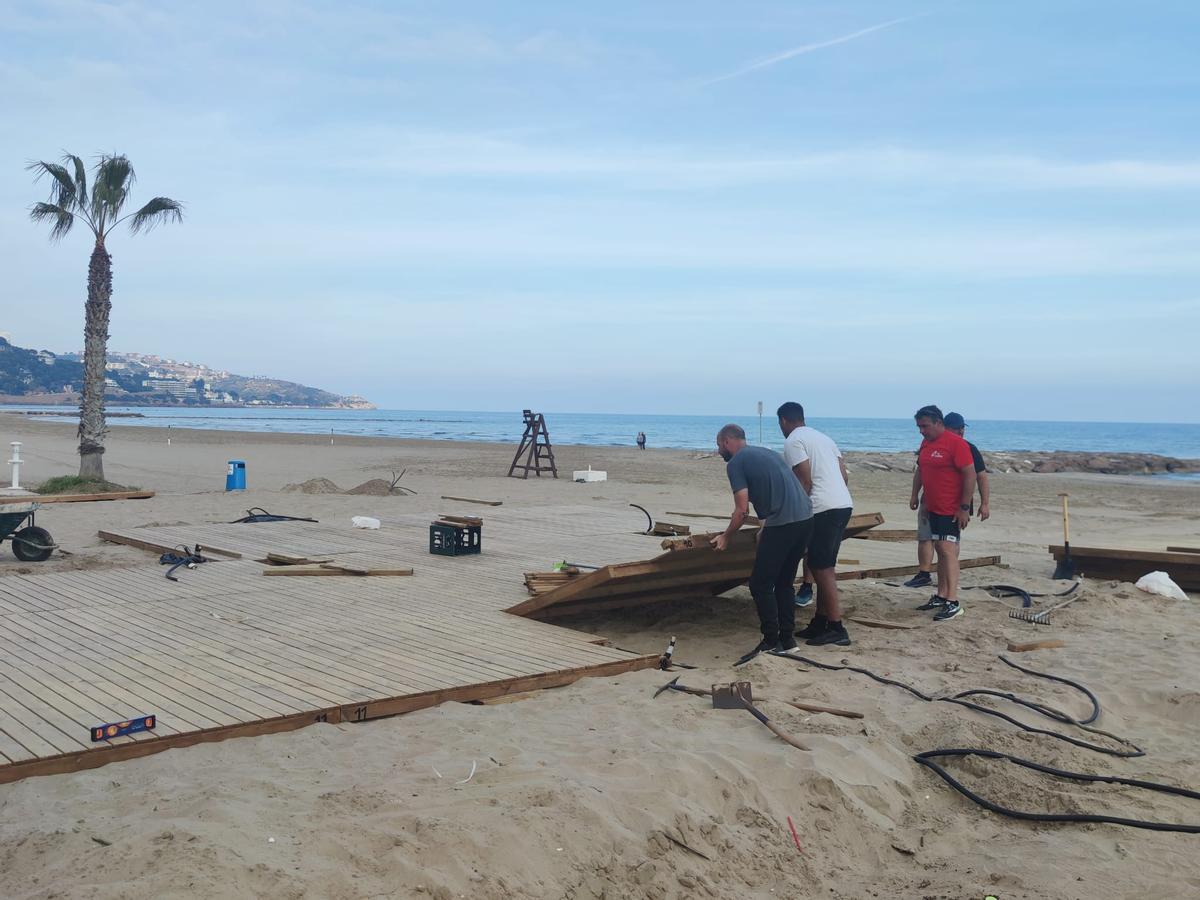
(760, 476)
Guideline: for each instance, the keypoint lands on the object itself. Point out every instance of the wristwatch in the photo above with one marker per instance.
(964, 506)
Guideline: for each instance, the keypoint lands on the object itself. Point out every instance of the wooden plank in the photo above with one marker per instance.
(893, 571)
(1036, 645)
(894, 535)
(157, 546)
(474, 500)
(879, 623)
(862, 522)
(79, 498)
(1183, 549)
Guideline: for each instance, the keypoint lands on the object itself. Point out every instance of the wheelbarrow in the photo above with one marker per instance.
(29, 543)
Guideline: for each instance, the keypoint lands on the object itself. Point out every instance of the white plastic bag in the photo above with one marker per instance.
(364, 522)
(1160, 583)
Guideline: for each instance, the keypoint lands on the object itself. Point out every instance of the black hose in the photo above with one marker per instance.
(258, 514)
(649, 518)
(926, 759)
(1049, 712)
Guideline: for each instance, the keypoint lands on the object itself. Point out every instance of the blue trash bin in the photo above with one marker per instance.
(235, 478)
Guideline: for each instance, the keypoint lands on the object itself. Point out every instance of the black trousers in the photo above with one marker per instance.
(781, 549)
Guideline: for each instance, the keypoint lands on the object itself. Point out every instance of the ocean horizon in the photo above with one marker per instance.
(679, 432)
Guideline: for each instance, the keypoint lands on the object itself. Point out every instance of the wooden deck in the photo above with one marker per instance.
(225, 652)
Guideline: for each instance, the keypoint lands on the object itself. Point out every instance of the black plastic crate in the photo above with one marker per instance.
(455, 540)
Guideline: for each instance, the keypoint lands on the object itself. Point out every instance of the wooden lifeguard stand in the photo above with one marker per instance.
(535, 448)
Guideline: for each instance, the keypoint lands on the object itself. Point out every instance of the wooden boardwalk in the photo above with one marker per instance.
(225, 652)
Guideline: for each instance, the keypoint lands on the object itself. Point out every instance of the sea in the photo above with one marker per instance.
(672, 431)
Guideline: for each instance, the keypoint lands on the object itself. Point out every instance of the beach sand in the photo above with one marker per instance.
(575, 790)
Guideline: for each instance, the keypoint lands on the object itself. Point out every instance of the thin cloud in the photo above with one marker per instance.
(808, 48)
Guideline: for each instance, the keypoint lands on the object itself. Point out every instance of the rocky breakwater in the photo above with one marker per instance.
(1041, 462)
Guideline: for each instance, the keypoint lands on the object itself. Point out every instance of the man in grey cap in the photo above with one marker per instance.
(955, 423)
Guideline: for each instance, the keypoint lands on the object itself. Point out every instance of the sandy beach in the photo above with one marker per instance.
(592, 790)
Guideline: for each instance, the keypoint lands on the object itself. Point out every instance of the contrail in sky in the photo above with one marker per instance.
(808, 48)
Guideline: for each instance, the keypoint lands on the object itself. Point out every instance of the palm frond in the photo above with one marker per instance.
(62, 218)
(80, 176)
(158, 211)
(111, 181)
(63, 191)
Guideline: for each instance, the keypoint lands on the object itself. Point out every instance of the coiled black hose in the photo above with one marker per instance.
(927, 758)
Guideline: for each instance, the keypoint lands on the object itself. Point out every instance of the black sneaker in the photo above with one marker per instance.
(764, 646)
(813, 628)
(804, 596)
(949, 611)
(934, 602)
(921, 579)
(834, 633)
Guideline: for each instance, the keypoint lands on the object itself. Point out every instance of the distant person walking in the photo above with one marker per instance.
(760, 476)
(641, 440)
(955, 423)
(945, 482)
(819, 467)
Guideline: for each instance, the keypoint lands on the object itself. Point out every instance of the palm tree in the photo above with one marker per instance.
(112, 178)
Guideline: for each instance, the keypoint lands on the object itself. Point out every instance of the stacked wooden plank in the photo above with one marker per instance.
(1130, 565)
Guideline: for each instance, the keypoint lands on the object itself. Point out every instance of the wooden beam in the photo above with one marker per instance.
(896, 535)
(474, 500)
(80, 498)
(130, 540)
(1183, 549)
(1035, 645)
(893, 571)
(879, 623)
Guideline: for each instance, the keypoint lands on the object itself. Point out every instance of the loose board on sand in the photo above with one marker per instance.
(225, 652)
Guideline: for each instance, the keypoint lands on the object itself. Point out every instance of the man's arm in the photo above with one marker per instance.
(741, 507)
(845, 474)
(916, 491)
(968, 491)
(803, 471)
(985, 496)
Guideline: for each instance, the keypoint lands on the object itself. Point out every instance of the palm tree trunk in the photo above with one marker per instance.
(92, 428)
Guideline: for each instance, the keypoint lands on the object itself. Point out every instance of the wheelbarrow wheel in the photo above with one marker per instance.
(32, 544)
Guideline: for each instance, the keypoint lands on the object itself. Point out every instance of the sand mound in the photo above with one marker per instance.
(376, 487)
(314, 486)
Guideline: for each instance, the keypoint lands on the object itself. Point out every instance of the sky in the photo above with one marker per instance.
(632, 207)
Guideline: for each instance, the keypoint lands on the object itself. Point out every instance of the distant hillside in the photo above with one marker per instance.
(36, 371)
(141, 380)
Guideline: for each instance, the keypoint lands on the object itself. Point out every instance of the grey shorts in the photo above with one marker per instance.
(924, 532)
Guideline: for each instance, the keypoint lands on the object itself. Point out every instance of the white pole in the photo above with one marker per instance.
(15, 462)
(330, 437)
(168, 435)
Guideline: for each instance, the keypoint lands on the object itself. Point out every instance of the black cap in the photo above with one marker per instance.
(955, 420)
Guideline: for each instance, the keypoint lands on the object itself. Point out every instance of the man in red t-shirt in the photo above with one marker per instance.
(946, 473)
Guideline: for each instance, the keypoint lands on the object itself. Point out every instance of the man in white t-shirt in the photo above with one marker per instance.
(817, 462)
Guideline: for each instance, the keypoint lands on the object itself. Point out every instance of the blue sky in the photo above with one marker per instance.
(633, 207)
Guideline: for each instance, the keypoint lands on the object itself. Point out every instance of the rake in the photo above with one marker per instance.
(1042, 617)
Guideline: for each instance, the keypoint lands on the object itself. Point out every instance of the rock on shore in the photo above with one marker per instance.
(1042, 462)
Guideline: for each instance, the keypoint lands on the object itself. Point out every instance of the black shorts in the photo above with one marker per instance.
(828, 528)
(943, 528)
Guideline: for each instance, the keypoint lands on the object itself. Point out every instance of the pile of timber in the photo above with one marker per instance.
(1130, 565)
(458, 521)
(691, 568)
(541, 582)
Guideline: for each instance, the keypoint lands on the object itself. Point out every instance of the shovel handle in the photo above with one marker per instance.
(1066, 520)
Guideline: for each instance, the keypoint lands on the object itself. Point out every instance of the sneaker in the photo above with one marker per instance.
(786, 644)
(934, 602)
(834, 633)
(813, 628)
(949, 611)
(764, 646)
(921, 579)
(804, 596)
